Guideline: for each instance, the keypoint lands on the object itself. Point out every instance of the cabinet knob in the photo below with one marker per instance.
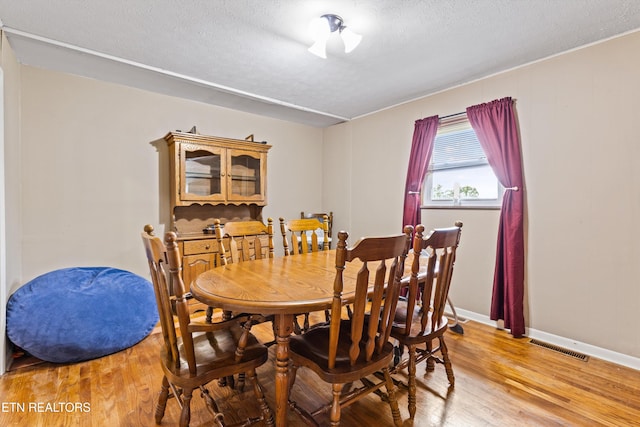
(207, 247)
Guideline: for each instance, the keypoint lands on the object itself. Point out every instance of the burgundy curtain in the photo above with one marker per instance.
(424, 134)
(495, 125)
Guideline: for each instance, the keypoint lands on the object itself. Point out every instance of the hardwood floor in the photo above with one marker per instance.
(500, 381)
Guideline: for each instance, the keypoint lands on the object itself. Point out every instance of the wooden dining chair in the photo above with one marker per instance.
(241, 241)
(353, 349)
(197, 353)
(244, 240)
(320, 217)
(302, 236)
(420, 318)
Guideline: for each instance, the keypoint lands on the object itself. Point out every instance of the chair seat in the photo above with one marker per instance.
(415, 334)
(311, 349)
(216, 352)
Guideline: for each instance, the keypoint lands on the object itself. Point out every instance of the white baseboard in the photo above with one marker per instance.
(568, 343)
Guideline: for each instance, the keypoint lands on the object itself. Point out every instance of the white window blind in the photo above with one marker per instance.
(457, 149)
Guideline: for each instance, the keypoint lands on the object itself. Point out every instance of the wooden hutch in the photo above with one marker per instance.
(212, 177)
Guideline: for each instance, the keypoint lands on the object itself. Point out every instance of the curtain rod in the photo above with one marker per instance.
(452, 115)
(462, 113)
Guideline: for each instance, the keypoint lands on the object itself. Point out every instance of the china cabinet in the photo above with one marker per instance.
(216, 171)
(212, 178)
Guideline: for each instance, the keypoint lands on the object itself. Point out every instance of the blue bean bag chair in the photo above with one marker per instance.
(81, 313)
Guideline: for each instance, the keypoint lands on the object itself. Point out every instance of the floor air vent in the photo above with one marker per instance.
(559, 349)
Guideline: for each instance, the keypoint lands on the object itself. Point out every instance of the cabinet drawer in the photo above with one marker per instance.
(192, 247)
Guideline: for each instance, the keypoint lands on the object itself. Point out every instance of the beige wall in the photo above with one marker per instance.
(579, 115)
(90, 176)
(94, 173)
(10, 165)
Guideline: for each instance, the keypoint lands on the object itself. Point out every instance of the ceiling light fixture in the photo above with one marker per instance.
(322, 27)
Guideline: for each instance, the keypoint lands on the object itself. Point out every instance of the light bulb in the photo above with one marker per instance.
(319, 28)
(319, 48)
(351, 40)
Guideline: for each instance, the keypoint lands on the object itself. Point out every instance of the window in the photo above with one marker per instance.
(459, 174)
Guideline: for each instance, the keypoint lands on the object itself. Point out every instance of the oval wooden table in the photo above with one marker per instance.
(284, 287)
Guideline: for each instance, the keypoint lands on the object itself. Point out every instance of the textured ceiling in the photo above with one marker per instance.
(251, 55)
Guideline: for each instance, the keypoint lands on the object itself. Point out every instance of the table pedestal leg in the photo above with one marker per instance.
(283, 326)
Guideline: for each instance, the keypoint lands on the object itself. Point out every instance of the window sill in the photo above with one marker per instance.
(463, 207)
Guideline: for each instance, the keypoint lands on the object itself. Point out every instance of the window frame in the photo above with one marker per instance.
(455, 123)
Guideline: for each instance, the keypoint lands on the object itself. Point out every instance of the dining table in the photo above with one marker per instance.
(283, 287)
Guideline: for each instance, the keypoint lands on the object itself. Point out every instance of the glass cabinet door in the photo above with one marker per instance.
(202, 173)
(245, 178)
